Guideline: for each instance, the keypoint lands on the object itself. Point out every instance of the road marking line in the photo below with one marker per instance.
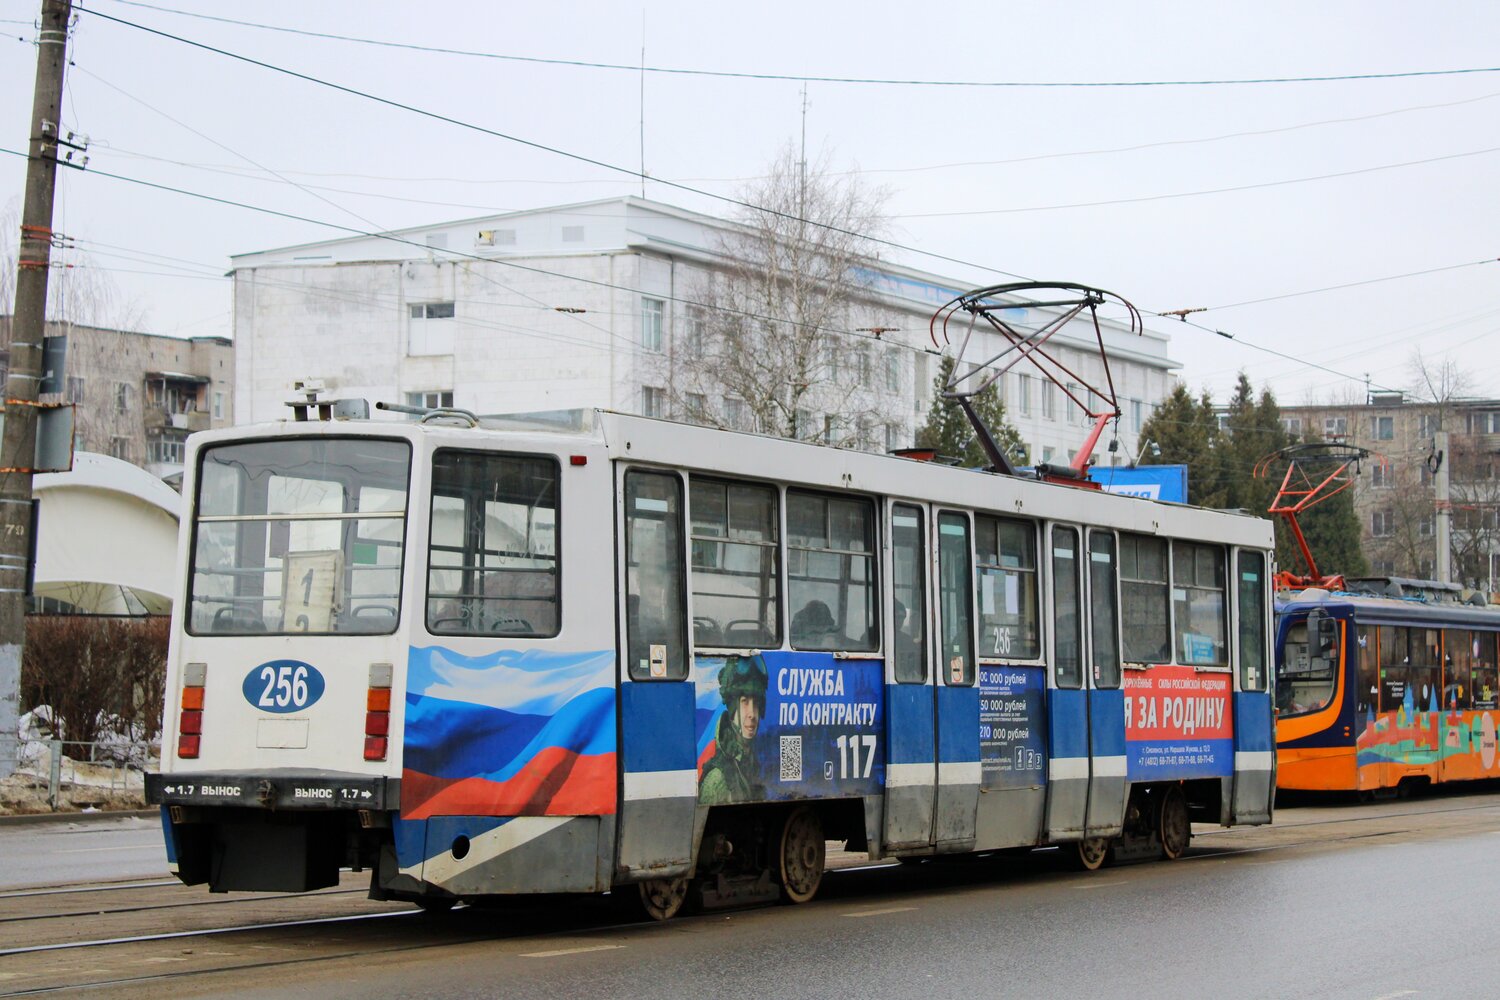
(558, 953)
(879, 913)
(1100, 885)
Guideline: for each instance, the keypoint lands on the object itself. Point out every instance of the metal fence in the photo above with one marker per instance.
(82, 774)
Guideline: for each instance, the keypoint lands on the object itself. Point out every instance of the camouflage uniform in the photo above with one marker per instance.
(732, 773)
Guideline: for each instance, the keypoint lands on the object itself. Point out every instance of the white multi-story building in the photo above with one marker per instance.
(590, 305)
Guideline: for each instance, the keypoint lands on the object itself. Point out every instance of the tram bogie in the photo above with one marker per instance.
(624, 654)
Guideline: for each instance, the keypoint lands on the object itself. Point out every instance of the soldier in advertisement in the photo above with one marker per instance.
(732, 774)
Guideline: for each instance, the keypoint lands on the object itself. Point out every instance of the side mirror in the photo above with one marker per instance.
(1328, 635)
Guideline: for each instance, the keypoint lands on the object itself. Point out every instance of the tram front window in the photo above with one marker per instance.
(1305, 680)
(299, 536)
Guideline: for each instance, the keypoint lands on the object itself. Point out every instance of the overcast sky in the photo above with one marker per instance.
(1217, 196)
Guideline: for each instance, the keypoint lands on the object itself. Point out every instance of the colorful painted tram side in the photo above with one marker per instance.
(504, 657)
(1380, 694)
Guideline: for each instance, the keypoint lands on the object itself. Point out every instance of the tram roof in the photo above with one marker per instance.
(1394, 610)
(653, 441)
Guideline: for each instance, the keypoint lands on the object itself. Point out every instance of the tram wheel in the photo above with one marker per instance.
(802, 855)
(1092, 853)
(661, 898)
(1173, 824)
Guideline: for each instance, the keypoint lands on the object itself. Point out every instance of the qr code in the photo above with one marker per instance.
(791, 758)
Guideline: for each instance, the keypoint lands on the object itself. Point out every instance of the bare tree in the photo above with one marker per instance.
(773, 346)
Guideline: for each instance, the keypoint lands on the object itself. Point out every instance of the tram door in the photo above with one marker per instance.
(1106, 701)
(955, 695)
(1068, 695)
(1254, 721)
(911, 758)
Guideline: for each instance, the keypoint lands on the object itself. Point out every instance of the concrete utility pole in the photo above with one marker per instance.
(28, 326)
(1443, 528)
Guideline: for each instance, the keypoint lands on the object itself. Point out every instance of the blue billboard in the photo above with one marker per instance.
(1155, 482)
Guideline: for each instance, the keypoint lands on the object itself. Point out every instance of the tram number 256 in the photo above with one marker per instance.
(849, 755)
(286, 685)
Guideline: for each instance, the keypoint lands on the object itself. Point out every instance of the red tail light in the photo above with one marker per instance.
(377, 722)
(190, 721)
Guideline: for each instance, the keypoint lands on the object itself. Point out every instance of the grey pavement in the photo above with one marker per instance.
(57, 852)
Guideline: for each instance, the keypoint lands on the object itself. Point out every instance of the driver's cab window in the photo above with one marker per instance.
(1309, 659)
(493, 553)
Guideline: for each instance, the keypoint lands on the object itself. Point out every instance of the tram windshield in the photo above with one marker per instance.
(299, 536)
(1305, 674)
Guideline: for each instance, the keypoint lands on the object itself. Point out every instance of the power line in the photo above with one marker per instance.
(809, 78)
(543, 147)
(1355, 284)
(1196, 194)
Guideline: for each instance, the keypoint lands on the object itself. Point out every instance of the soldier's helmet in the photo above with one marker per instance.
(743, 677)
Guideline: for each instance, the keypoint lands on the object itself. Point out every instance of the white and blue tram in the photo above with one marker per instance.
(527, 655)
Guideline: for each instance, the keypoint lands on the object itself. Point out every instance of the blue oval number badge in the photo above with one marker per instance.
(283, 686)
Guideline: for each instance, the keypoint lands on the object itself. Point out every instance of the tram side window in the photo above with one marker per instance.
(1252, 608)
(1104, 610)
(956, 598)
(655, 601)
(1424, 674)
(1066, 609)
(1143, 599)
(1367, 693)
(830, 572)
(492, 555)
(1008, 619)
(1394, 642)
(1305, 682)
(1199, 612)
(1482, 685)
(1458, 668)
(909, 590)
(735, 578)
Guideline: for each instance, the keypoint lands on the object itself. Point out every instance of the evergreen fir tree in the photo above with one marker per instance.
(949, 433)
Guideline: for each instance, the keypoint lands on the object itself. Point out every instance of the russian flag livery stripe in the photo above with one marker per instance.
(510, 733)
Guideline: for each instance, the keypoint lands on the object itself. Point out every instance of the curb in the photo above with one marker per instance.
(39, 819)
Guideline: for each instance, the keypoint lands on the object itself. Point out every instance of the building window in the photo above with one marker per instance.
(694, 346)
(1135, 415)
(1335, 427)
(1075, 413)
(736, 414)
(1424, 526)
(218, 406)
(1382, 428)
(1486, 423)
(75, 389)
(892, 437)
(428, 333)
(1384, 567)
(697, 407)
(122, 398)
(892, 370)
(1292, 425)
(119, 447)
(862, 361)
(653, 401)
(1428, 424)
(1380, 476)
(1382, 524)
(653, 315)
(166, 450)
(1049, 400)
(1023, 394)
(434, 400)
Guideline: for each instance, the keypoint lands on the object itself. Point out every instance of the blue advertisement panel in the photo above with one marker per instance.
(788, 725)
(1012, 744)
(1154, 482)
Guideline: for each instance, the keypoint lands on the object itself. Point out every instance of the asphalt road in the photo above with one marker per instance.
(59, 852)
(1374, 902)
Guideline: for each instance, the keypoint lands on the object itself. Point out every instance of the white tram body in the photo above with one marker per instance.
(572, 652)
